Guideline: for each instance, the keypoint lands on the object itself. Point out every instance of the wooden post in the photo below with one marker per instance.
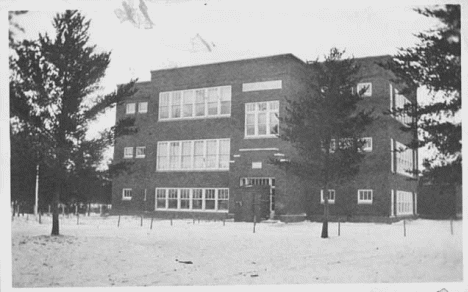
(40, 218)
(171, 221)
(76, 209)
(49, 210)
(141, 223)
(118, 222)
(77, 218)
(339, 227)
(193, 220)
(404, 227)
(151, 226)
(451, 226)
(255, 222)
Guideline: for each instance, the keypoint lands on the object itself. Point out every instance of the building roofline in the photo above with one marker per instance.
(289, 55)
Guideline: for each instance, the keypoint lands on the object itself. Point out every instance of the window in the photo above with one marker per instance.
(404, 203)
(126, 194)
(140, 152)
(365, 196)
(128, 152)
(400, 103)
(198, 155)
(223, 199)
(365, 89)
(197, 199)
(261, 119)
(366, 144)
(404, 159)
(130, 108)
(263, 85)
(200, 199)
(143, 107)
(161, 199)
(210, 199)
(172, 199)
(185, 198)
(331, 197)
(257, 181)
(195, 103)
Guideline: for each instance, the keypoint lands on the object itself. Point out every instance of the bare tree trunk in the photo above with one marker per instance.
(55, 211)
(325, 193)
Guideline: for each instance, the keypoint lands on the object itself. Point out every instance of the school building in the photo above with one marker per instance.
(207, 133)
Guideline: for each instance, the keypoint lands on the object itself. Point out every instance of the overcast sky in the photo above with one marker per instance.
(175, 33)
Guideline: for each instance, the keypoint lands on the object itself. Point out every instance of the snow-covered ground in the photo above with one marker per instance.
(97, 253)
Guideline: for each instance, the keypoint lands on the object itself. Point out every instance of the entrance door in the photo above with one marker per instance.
(253, 201)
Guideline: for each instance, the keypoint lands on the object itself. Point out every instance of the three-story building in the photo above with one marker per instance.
(207, 133)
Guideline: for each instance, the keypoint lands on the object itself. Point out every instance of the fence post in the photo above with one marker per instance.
(77, 218)
(404, 227)
(118, 222)
(151, 226)
(339, 227)
(40, 218)
(451, 226)
(255, 222)
(141, 223)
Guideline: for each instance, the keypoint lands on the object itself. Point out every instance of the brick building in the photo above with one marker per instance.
(207, 133)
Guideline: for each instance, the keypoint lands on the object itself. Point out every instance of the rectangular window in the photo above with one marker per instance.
(265, 85)
(195, 103)
(331, 197)
(365, 89)
(210, 199)
(212, 154)
(140, 152)
(404, 203)
(172, 200)
(126, 194)
(365, 196)
(161, 199)
(130, 108)
(261, 119)
(185, 198)
(164, 105)
(163, 156)
(366, 144)
(223, 199)
(128, 152)
(199, 199)
(143, 107)
(402, 108)
(404, 159)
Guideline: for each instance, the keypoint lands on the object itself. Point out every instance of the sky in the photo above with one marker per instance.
(176, 33)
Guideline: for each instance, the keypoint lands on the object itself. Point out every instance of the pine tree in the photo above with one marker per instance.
(53, 83)
(325, 125)
(435, 63)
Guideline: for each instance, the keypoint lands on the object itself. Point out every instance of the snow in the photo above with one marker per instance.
(97, 253)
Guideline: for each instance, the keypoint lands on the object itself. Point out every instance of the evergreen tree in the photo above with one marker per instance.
(53, 100)
(325, 125)
(435, 63)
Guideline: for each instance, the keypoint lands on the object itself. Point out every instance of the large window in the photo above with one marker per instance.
(331, 197)
(195, 103)
(140, 152)
(202, 199)
(404, 159)
(404, 203)
(261, 119)
(210, 154)
(398, 102)
(128, 152)
(365, 196)
(130, 108)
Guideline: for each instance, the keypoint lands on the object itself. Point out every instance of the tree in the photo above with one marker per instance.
(325, 125)
(53, 100)
(435, 64)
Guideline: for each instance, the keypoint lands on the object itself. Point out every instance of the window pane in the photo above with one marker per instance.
(188, 99)
(211, 153)
(140, 151)
(174, 154)
(164, 105)
(274, 123)
(210, 199)
(197, 199)
(250, 107)
(226, 93)
(199, 155)
(172, 199)
(250, 130)
(130, 109)
(143, 107)
(185, 199)
(176, 99)
(200, 102)
(262, 106)
(186, 154)
(161, 199)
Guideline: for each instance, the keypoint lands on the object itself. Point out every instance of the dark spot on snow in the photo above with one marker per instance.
(184, 262)
(254, 275)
